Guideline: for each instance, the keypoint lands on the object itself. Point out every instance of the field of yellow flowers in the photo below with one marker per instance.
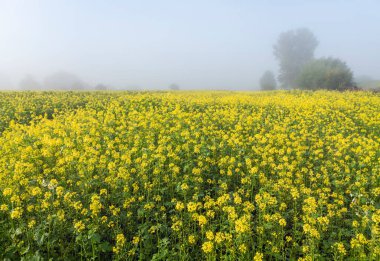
(286, 175)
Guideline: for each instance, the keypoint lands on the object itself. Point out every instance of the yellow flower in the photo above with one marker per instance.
(281, 166)
(16, 213)
(79, 226)
(376, 217)
(61, 215)
(358, 241)
(258, 256)
(136, 240)
(103, 219)
(196, 171)
(243, 248)
(191, 239)
(3, 207)
(184, 186)
(59, 190)
(95, 205)
(219, 237)
(294, 192)
(179, 206)
(177, 225)
(202, 220)
(36, 191)
(7, 192)
(191, 206)
(120, 239)
(31, 223)
(207, 247)
(340, 248)
(242, 224)
(237, 200)
(53, 184)
(210, 235)
(283, 206)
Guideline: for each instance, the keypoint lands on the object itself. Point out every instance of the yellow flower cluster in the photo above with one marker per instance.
(120, 241)
(285, 175)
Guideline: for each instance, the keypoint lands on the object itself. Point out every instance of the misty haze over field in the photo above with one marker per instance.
(195, 44)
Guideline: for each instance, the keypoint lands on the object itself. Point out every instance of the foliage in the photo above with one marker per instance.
(293, 50)
(326, 73)
(174, 87)
(101, 87)
(29, 83)
(268, 81)
(190, 175)
(64, 81)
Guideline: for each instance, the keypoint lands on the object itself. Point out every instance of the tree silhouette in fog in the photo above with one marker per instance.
(64, 81)
(174, 87)
(268, 81)
(101, 87)
(29, 83)
(326, 73)
(293, 50)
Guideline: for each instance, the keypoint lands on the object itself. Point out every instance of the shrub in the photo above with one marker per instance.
(326, 73)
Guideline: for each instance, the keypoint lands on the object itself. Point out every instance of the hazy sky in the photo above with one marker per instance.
(196, 44)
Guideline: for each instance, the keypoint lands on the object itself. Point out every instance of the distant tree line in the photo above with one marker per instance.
(174, 87)
(67, 81)
(294, 51)
(59, 81)
(268, 81)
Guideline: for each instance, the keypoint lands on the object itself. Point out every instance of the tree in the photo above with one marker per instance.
(268, 81)
(29, 83)
(174, 87)
(326, 73)
(64, 81)
(101, 87)
(293, 50)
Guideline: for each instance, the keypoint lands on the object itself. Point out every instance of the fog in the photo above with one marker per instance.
(194, 44)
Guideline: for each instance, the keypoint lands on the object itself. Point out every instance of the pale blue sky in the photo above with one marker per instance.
(196, 44)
